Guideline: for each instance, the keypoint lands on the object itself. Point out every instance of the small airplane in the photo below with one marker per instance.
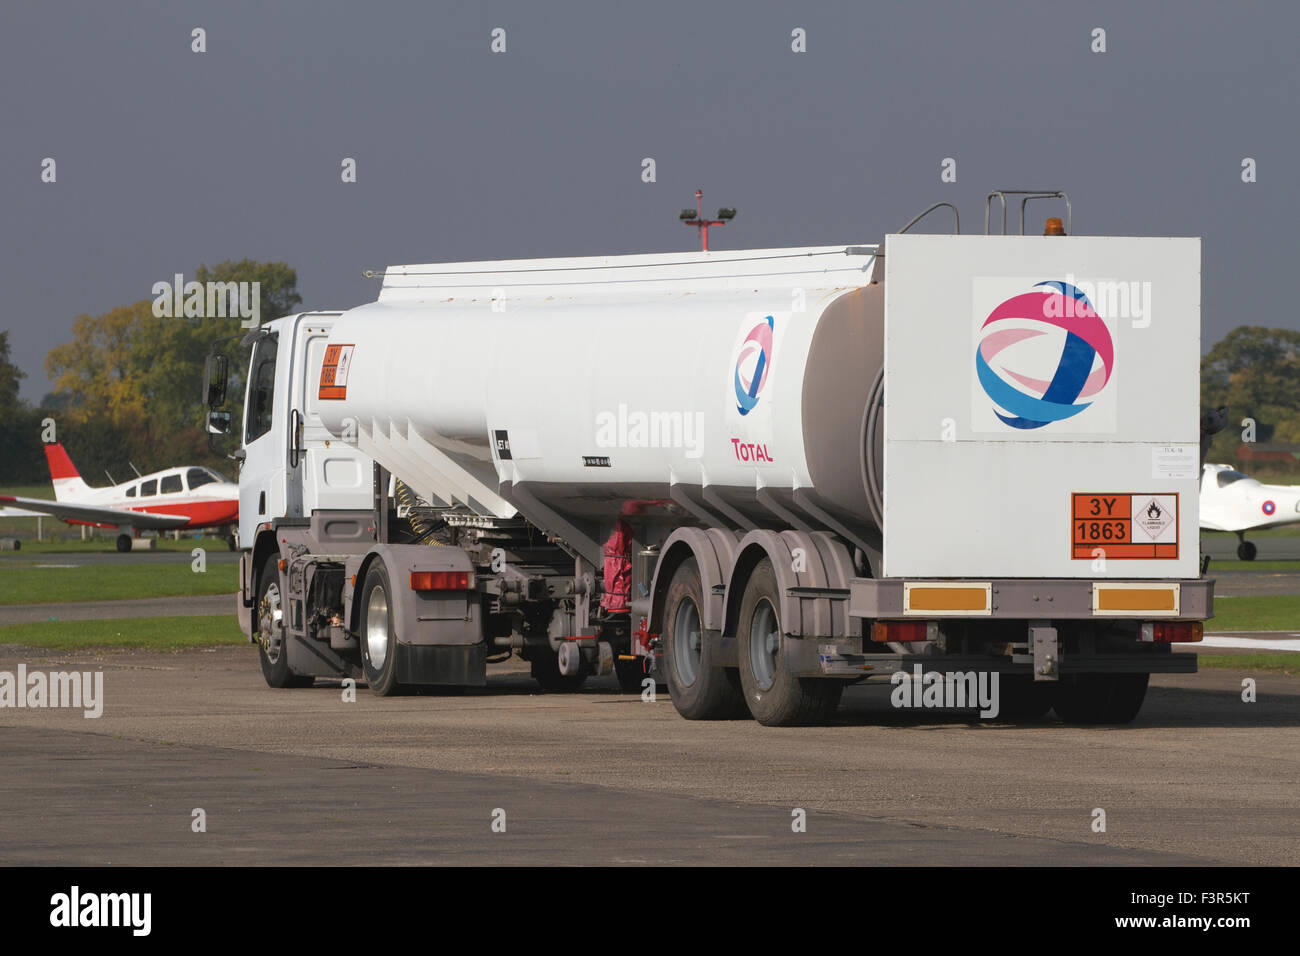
(186, 497)
(1231, 501)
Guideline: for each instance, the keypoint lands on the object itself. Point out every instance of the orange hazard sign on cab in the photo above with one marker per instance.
(334, 372)
(1124, 525)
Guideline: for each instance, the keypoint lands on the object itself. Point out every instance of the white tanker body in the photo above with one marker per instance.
(602, 385)
(684, 467)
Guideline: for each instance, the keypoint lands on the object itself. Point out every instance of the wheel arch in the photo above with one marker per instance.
(823, 571)
(713, 550)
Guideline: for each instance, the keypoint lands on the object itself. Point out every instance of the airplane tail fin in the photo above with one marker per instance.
(68, 483)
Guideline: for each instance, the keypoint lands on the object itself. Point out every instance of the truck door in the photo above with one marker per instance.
(331, 474)
(261, 478)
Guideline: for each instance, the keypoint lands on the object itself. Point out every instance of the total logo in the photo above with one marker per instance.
(752, 365)
(1054, 385)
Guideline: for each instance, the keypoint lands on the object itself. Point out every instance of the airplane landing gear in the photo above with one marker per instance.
(123, 542)
(1246, 551)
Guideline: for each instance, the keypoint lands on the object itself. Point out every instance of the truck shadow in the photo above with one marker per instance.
(1173, 707)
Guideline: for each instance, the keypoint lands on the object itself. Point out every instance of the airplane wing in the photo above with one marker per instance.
(116, 517)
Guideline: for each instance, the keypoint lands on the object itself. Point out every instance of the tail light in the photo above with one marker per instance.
(442, 580)
(886, 632)
(1172, 632)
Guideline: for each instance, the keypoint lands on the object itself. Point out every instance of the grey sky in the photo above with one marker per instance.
(168, 158)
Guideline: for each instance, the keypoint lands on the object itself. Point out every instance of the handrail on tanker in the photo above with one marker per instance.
(1028, 194)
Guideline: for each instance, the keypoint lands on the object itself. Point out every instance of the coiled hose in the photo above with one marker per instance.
(411, 501)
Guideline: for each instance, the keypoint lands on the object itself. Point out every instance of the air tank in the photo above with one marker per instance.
(724, 388)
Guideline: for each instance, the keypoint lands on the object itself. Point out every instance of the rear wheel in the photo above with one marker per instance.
(378, 638)
(1100, 698)
(271, 637)
(775, 697)
(700, 689)
(1247, 550)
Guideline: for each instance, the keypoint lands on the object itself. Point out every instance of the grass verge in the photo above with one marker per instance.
(1280, 663)
(143, 633)
(24, 584)
(1269, 612)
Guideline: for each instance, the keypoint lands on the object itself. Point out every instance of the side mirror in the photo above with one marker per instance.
(216, 370)
(218, 423)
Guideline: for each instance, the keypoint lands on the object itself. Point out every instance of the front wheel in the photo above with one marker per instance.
(378, 638)
(1247, 550)
(271, 637)
(123, 542)
(775, 697)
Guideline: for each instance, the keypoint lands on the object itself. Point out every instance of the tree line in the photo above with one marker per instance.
(127, 387)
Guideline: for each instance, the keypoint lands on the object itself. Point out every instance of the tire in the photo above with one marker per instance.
(378, 638)
(1020, 697)
(775, 698)
(123, 543)
(1247, 550)
(700, 690)
(230, 542)
(1101, 698)
(546, 671)
(268, 616)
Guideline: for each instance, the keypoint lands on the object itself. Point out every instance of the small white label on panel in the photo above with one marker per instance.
(1175, 461)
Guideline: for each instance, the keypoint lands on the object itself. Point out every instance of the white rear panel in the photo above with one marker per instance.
(1033, 381)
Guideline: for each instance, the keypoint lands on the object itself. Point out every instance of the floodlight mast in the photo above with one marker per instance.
(725, 214)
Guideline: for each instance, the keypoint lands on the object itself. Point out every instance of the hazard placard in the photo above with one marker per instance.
(334, 372)
(1132, 525)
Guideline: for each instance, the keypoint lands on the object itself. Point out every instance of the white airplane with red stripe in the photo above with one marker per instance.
(175, 499)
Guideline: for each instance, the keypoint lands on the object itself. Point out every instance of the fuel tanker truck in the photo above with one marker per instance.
(752, 476)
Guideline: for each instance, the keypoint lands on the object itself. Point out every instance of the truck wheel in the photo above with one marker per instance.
(271, 637)
(1020, 697)
(699, 689)
(546, 671)
(775, 698)
(123, 542)
(378, 637)
(1101, 698)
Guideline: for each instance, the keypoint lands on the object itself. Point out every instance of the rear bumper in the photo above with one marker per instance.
(820, 659)
(1031, 599)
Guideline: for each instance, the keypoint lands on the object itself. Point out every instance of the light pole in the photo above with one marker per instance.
(694, 217)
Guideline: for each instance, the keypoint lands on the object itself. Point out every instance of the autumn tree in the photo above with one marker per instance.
(1255, 371)
(130, 379)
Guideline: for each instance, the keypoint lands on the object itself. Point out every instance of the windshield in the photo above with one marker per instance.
(201, 476)
(1228, 477)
